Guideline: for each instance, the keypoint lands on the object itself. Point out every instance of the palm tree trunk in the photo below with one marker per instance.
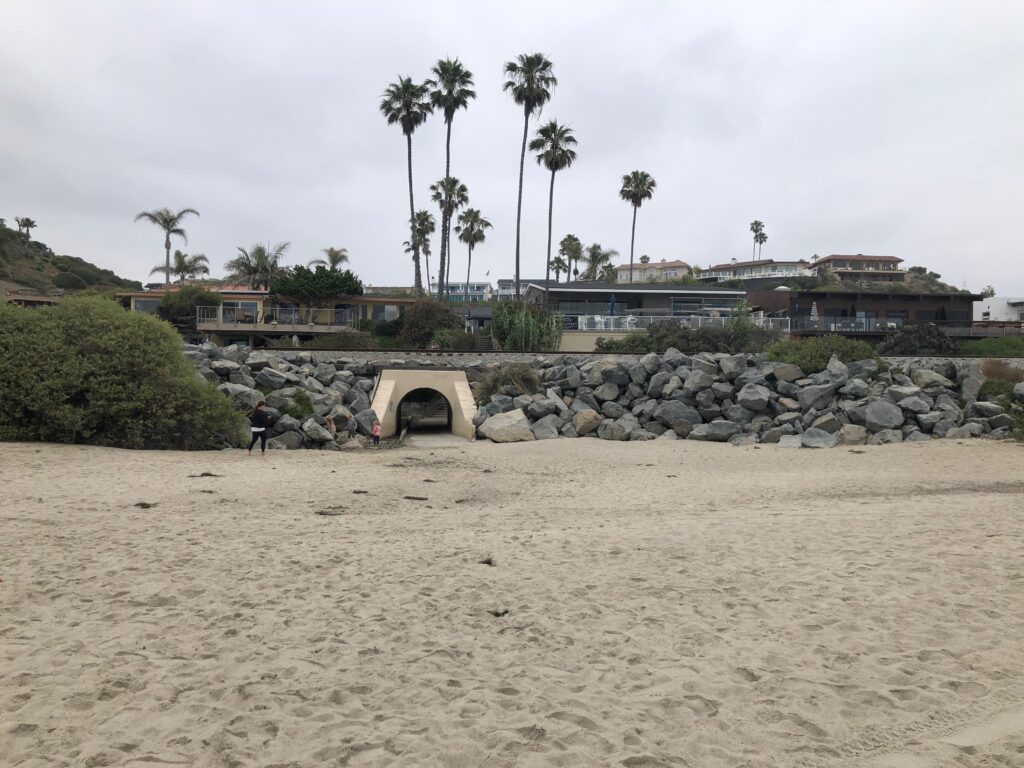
(753, 250)
(167, 260)
(759, 251)
(412, 221)
(443, 266)
(632, 240)
(547, 263)
(519, 205)
(465, 294)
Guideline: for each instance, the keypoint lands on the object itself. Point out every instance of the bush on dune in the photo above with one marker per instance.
(87, 371)
(812, 354)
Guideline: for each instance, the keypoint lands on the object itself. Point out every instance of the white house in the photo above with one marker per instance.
(764, 269)
(1000, 309)
(652, 272)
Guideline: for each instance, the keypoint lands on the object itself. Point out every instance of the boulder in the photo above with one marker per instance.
(671, 411)
(787, 372)
(657, 383)
(607, 391)
(682, 428)
(827, 422)
(287, 424)
(287, 441)
(547, 427)
(885, 437)
(862, 369)
(612, 410)
(732, 365)
(1018, 392)
(695, 382)
(917, 437)
(703, 364)
(365, 419)
(722, 390)
(774, 434)
(986, 409)
(508, 427)
(790, 441)
(651, 362)
(315, 432)
(268, 377)
(914, 404)
(585, 422)
(836, 368)
(641, 434)
(855, 388)
(852, 434)
(568, 430)
(744, 438)
(970, 429)
(245, 398)
(224, 368)
(923, 378)
(881, 415)
(612, 430)
(818, 438)
(716, 431)
(538, 409)
(754, 397)
(815, 396)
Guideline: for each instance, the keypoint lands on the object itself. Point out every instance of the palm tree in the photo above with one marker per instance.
(597, 258)
(756, 227)
(761, 238)
(185, 266)
(558, 266)
(27, 224)
(423, 227)
(407, 104)
(257, 266)
(472, 230)
(554, 147)
(636, 187)
(170, 223)
(607, 274)
(451, 90)
(645, 259)
(571, 249)
(333, 259)
(450, 194)
(530, 81)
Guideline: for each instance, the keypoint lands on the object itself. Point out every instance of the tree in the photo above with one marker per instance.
(645, 259)
(333, 259)
(170, 223)
(554, 145)
(472, 230)
(314, 286)
(451, 90)
(530, 81)
(258, 266)
(425, 318)
(407, 104)
(756, 227)
(185, 266)
(636, 187)
(988, 292)
(450, 194)
(422, 228)
(761, 239)
(558, 266)
(26, 224)
(607, 274)
(596, 259)
(571, 249)
(179, 307)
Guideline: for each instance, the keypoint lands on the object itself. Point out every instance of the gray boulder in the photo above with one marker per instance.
(790, 441)
(732, 365)
(836, 368)
(924, 378)
(986, 409)
(508, 427)
(744, 438)
(257, 361)
(917, 437)
(268, 377)
(1018, 392)
(612, 430)
(774, 434)
(585, 422)
(547, 427)
(287, 424)
(855, 388)
(607, 391)
(816, 396)
(818, 438)
(695, 382)
(787, 372)
(651, 362)
(754, 397)
(315, 432)
(716, 431)
(612, 410)
(914, 405)
(885, 437)
(881, 415)
(657, 382)
(671, 411)
(862, 369)
(244, 398)
(224, 368)
(365, 419)
(852, 434)
(827, 422)
(538, 409)
(289, 441)
(970, 429)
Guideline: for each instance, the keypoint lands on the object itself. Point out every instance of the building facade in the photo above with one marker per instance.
(766, 269)
(479, 293)
(1000, 309)
(506, 288)
(652, 272)
(861, 267)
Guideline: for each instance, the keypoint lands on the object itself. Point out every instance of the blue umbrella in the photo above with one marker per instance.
(611, 305)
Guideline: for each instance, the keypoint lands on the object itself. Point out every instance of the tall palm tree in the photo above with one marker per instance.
(756, 227)
(558, 266)
(530, 81)
(27, 224)
(597, 258)
(450, 194)
(185, 266)
(333, 259)
(571, 249)
(257, 266)
(472, 230)
(607, 274)
(645, 259)
(170, 223)
(423, 227)
(554, 145)
(451, 90)
(761, 238)
(407, 104)
(636, 187)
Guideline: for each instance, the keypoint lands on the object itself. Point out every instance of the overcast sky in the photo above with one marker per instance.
(847, 127)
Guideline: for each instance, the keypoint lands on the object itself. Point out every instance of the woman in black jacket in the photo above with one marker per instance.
(258, 424)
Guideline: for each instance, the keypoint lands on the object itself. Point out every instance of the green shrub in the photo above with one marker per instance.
(742, 337)
(520, 327)
(1004, 346)
(917, 339)
(993, 389)
(311, 286)
(518, 375)
(179, 307)
(425, 318)
(301, 407)
(87, 371)
(455, 340)
(812, 354)
(69, 281)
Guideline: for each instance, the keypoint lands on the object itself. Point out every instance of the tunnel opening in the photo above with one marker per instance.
(424, 410)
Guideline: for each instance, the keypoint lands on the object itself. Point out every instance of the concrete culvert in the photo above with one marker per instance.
(424, 399)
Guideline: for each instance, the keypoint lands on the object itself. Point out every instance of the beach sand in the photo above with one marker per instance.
(655, 604)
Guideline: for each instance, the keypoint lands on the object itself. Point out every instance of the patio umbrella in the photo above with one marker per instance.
(611, 305)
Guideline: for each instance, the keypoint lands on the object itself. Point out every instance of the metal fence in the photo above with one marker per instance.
(277, 316)
(642, 322)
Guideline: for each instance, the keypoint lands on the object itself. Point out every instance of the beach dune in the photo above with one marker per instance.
(559, 603)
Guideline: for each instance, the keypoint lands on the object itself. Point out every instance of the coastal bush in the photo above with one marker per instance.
(425, 318)
(1004, 346)
(87, 371)
(179, 307)
(918, 339)
(67, 280)
(521, 327)
(454, 340)
(812, 354)
(517, 375)
(301, 407)
(660, 336)
(311, 286)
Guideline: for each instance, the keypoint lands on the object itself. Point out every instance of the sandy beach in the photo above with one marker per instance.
(652, 604)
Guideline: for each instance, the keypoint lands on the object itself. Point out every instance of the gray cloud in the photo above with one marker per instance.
(846, 127)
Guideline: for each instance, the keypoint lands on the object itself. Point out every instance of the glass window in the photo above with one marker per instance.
(240, 311)
(925, 315)
(148, 306)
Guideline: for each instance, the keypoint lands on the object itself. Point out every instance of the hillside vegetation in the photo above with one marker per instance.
(35, 265)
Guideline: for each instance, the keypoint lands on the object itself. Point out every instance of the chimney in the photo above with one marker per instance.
(733, 260)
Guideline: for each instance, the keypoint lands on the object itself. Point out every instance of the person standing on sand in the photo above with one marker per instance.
(376, 433)
(352, 426)
(259, 421)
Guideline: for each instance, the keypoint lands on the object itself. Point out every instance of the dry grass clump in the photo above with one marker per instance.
(998, 370)
(517, 375)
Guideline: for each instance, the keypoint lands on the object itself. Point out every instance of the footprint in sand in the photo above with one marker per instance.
(963, 688)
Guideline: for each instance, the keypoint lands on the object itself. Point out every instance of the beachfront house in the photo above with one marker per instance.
(753, 271)
(653, 272)
(1000, 309)
(860, 267)
(479, 293)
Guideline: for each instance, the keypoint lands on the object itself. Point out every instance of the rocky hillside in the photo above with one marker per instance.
(34, 265)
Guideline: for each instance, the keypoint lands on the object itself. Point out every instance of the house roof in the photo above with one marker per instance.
(761, 262)
(858, 257)
(660, 264)
(819, 294)
(594, 286)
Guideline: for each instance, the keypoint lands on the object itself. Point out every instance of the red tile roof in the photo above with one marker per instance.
(857, 257)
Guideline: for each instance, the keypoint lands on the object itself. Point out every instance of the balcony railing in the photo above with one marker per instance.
(214, 318)
(642, 322)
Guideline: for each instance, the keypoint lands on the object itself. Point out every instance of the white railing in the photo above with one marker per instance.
(642, 322)
(276, 316)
